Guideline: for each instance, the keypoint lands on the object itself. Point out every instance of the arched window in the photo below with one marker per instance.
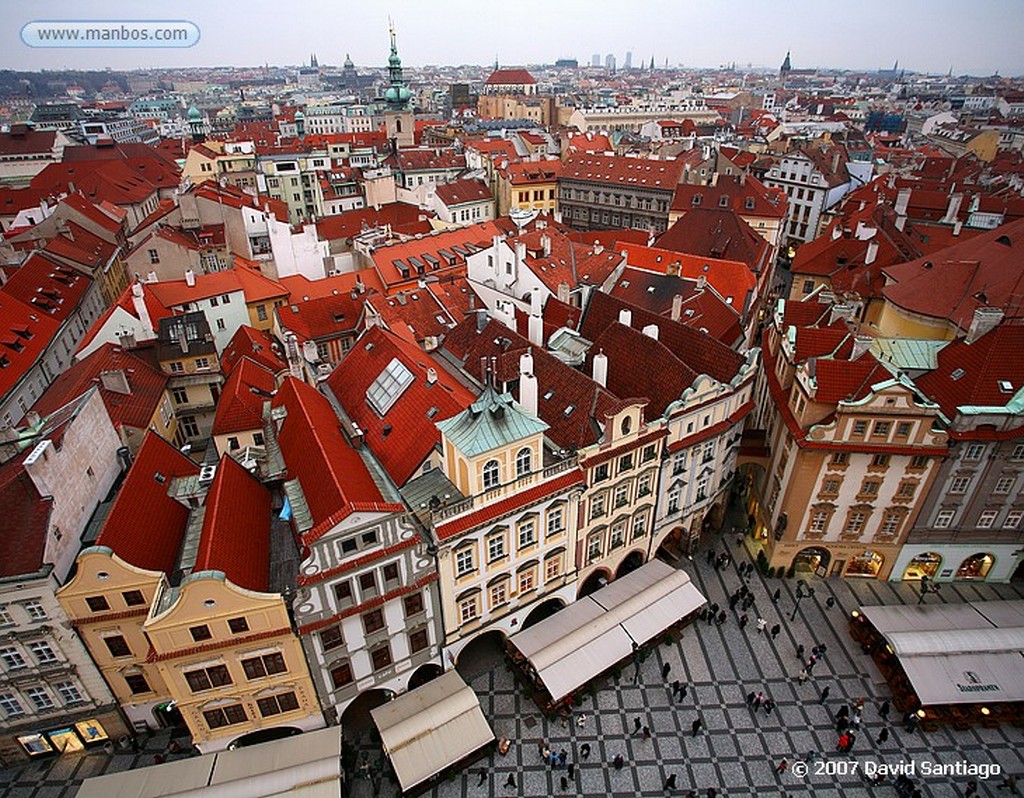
(491, 474)
(524, 461)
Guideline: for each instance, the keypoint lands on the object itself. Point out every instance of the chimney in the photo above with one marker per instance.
(190, 278)
(626, 317)
(677, 307)
(861, 344)
(291, 348)
(545, 245)
(536, 302)
(563, 293)
(702, 282)
(520, 252)
(835, 162)
(957, 227)
(651, 331)
(743, 178)
(871, 253)
(985, 319)
(139, 303)
(953, 208)
(32, 419)
(431, 376)
(116, 381)
(481, 320)
(599, 369)
(598, 248)
(902, 201)
(837, 232)
(402, 298)
(528, 389)
(901, 222)
(535, 330)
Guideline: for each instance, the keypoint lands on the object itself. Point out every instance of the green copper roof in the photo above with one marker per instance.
(491, 422)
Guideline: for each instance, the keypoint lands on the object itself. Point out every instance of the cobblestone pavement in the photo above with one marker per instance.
(737, 750)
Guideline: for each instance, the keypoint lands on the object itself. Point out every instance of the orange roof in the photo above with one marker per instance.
(24, 335)
(143, 503)
(236, 528)
(48, 287)
(256, 345)
(632, 172)
(729, 278)
(256, 286)
(302, 288)
(240, 407)
(437, 252)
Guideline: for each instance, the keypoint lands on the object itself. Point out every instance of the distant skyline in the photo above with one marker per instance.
(977, 38)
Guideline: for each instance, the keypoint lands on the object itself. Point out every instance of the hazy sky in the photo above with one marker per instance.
(977, 37)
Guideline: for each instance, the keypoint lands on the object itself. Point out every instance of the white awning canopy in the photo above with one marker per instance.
(429, 728)
(967, 653)
(590, 635)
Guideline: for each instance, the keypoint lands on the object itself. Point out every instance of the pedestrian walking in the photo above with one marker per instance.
(670, 782)
(637, 725)
(571, 769)
(781, 767)
(695, 726)
(842, 741)
(824, 694)
(542, 749)
(841, 724)
(565, 783)
(760, 699)
(711, 618)
(812, 662)
(511, 780)
(711, 557)
(855, 720)
(563, 755)
(675, 687)
(750, 697)
(734, 599)
(971, 789)
(581, 721)
(744, 620)
(682, 691)
(775, 631)
(715, 608)
(844, 711)
(830, 602)
(769, 705)
(762, 624)
(721, 618)
(776, 595)
(483, 778)
(585, 751)
(911, 721)
(618, 762)
(647, 732)
(665, 669)
(803, 675)
(883, 735)
(800, 651)
(883, 710)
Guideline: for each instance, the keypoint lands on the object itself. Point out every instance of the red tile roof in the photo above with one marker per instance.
(731, 278)
(748, 196)
(48, 287)
(611, 239)
(24, 335)
(414, 315)
(114, 181)
(702, 353)
(590, 142)
(568, 262)
(256, 345)
(236, 528)
(524, 173)
(25, 140)
(640, 173)
(24, 522)
(498, 509)
(509, 77)
(302, 288)
(846, 380)
(454, 293)
(717, 233)
(459, 192)
(126, 302)
(324, 317)
(333, 477)
(405, 435)
(143, 504)
(240, 408)
(429, 160)
(351, 223)
(136, 409)
(256, 286)
(951, 284)
(980, 367)
(176, 293)
(386, 258)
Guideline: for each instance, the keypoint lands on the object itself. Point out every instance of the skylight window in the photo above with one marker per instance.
(568, 410)
(388, 386)
(957, 374)
(1005, 386)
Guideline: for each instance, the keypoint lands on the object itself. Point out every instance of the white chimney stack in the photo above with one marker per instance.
(431, 376)
(677, 307)
(545, 245)
(536, 330)
(651, 331)
(599, 369)
(526, 363)
(563, 293)
(190, 278)
(536, 302)
(871, 253)
(985, 319)
(528, 392)
(626, 317)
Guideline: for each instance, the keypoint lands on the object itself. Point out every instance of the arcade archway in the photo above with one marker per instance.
(424, 674)
(632, 561)
(812, 561)
(976, 566)
(927, 564)
(594, 582)
(481, 654)
(356, 718)
(543, 610)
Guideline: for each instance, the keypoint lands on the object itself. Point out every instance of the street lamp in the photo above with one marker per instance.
(926, 588)
(802, 592)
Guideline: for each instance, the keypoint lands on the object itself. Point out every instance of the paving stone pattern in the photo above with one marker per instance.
(737, 749)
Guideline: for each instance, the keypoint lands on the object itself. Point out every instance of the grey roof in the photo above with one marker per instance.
(908, 354)
(491, 422)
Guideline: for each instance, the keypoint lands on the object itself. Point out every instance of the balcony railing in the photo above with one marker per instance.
(493, 494)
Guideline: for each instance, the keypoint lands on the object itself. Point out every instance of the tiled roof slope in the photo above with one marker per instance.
(240, 408)
(236, 528)
(641, 173)
(145, 526)
(24, 521)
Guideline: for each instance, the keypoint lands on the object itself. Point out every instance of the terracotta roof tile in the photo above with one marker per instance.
(640, 173)
(24, 522)
(240, 407)
(24, 335)
(510, 77)
(48, 287)
(256, 345)
(459, 192)
(717, 233)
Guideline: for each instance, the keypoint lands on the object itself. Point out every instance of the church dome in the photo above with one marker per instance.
(193, 113)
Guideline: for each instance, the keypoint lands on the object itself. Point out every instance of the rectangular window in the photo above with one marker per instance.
(10, 705)
(907, 490)
(413, 604)
(818, 520)
(177, 367)
(919, 461)
(40, 698)
(1013, 519)
(117, 646)
(373, 621)
(555, 522)
(468, 609)
(552, 568)
(643, 486)
(880, 460)
(597, 506)
(679, 464)
(709, 452)
(622, 494)
(498, 594)
(12, 658)
(463, 562)
(200, 633)
(98, 603)
(830, 486)
(855, 523)
(527, 534)
(870, 487)
(261, 312)
(381, 657)
(133, 598)
(42, 652)
(840, 458)
(974, 451)
(860, 427)
(639, 526)
(343, 592)
(944, 519)
(238, 625)
(594, 548)
(68, 692)
(649, 453)
(495, 547)
(903, 429)
(418, 640)
(6, 619)
(137, 683)
(1004, 484)
(225, 716)
(959, 484)
(527, 580)
(626, 463)
(601, 473)
(390, 572)
(331, 637)
(368, 584)
(673, 500)
(207, 678)
(341, 674)
(264, 665)
(987, 519)
(1018, 452)
(277, 704)
(881, 429)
